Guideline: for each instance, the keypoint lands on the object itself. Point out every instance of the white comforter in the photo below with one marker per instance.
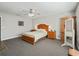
(36, 34)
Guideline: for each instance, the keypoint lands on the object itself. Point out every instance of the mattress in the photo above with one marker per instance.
(36, 34)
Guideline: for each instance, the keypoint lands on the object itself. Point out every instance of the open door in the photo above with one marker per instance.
(2, 45)
(77, 28)
(77, 39)
(0, 32)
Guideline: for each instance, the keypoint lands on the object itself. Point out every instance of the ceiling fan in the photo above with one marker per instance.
(30, 12)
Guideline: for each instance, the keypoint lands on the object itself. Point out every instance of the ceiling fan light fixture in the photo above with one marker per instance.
(31, 14)
(32, 10)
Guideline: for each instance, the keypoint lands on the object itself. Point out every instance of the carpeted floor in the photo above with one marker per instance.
(45, 47)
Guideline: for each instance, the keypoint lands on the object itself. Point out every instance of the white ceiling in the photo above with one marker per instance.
(43, 8)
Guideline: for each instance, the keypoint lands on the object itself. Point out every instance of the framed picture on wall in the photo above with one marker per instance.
(20, 23)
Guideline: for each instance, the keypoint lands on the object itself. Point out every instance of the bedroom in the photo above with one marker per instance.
(17, 18)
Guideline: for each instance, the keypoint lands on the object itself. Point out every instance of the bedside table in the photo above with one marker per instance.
(51, 35)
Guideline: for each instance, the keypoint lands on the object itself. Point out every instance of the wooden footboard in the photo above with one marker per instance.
(28, 39)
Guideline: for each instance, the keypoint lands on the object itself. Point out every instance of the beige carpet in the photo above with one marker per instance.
(45, 47)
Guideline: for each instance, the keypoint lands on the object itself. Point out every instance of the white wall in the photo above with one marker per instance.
(50, 13)
(9, 25)
(53, 21)
(10, 28)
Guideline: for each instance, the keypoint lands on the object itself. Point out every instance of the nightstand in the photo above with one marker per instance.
(51, 35)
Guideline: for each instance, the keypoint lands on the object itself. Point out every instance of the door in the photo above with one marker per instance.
(77, 41)
(77, 28)
(0, 31)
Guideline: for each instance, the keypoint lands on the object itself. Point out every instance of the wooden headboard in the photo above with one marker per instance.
(43, 26)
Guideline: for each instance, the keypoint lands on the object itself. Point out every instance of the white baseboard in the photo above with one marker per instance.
(7, 38)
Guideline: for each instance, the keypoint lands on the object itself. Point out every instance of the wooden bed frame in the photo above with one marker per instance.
(31, 39)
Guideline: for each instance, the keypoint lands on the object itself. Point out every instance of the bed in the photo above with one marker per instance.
(32, 37)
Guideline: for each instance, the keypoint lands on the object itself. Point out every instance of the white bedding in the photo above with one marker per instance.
(36, 34)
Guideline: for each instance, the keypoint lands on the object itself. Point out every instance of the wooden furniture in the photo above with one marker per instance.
(43, 26)
(62, 26)
(51, 35)
(32, 30)
(30, 39)
(73, 52)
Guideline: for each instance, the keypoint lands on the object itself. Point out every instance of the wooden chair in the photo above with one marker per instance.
(73, 52)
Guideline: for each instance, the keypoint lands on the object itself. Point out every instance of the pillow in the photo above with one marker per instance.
(43, 30)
